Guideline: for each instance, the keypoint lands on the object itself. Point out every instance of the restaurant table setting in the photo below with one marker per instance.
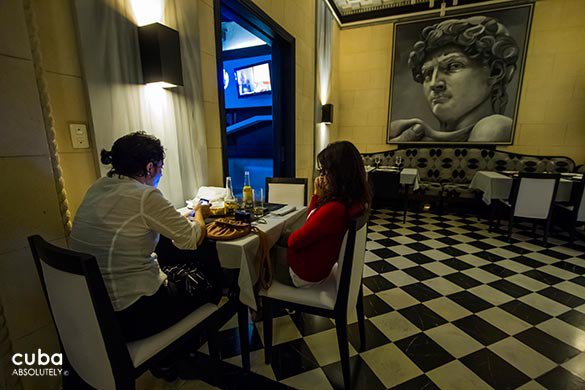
(244, 253)
(497, 185)
(408, 176)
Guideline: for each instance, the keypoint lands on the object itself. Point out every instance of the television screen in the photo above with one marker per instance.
(253, 79)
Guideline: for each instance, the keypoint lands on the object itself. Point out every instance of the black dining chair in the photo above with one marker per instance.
(574, 210)
(336, 298)
(89, 334)
(531, 197)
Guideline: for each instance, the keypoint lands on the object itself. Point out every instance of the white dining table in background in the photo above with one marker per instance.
(495, 185)
(408, 176)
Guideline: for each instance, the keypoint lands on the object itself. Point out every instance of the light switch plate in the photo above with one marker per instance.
(79, 138)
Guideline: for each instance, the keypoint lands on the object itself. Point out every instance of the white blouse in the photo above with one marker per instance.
(119, 222)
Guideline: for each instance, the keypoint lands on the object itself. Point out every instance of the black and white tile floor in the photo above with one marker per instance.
(449, 305)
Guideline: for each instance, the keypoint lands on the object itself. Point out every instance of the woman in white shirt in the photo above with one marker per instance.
(120, 221)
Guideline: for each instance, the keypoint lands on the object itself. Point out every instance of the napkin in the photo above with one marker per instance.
(211, 193)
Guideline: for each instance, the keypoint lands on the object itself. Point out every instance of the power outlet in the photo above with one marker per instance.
(79, 138)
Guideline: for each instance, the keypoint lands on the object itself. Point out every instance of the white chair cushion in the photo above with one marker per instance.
(321, 295)
(142, 350)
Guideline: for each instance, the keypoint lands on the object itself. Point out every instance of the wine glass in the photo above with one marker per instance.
(399, 160)
(377, 161)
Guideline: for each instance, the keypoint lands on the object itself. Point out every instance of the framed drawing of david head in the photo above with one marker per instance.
(457, 79)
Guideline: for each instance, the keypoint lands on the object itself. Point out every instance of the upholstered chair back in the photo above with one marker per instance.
(350, 265)
(76, 293)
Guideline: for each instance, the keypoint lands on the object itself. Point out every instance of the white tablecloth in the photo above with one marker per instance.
(242, 253)
(408, 176)
(494, 185)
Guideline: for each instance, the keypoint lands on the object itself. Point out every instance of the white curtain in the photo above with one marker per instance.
(324, 25)
(120, 103)
(323, 48)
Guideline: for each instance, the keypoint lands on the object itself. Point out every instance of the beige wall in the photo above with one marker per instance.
(551, 119)
(297, 17)
(67, 94)
(364, 76)
(29, 201)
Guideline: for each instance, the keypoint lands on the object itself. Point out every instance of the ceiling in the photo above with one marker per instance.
(235, 36)
(355, 12)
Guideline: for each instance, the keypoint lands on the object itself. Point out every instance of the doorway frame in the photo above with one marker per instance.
(252, 18)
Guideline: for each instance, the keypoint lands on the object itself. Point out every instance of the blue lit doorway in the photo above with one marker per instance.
(255, 60)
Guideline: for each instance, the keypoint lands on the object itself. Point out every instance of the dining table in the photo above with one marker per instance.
(496, 185)
(243, 253)
(409, 179)
(408, 176)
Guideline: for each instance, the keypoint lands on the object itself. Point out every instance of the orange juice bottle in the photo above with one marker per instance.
(247, 191)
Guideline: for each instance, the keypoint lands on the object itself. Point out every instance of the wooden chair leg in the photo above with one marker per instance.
(361, 321)
(243, 328)
(405, 203)
(546, 229)
(510, 223)
(572, 231)
(341, 325)
(213, 345)
(267, 313)
(492, 215)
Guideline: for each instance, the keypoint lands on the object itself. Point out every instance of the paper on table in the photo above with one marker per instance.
(284, 210)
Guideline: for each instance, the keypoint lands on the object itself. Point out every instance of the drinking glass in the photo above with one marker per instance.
(258, 196)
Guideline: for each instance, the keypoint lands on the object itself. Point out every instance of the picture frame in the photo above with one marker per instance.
(457, 79)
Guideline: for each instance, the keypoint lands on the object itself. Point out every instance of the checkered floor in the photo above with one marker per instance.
(449, 305)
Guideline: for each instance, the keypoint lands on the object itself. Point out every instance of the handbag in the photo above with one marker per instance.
(195, 273)
(191, 280)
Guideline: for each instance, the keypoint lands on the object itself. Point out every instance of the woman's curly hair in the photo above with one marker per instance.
(482, 39)
(131, 153)
(341, 163)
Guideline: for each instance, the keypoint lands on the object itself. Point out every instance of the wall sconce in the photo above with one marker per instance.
(327, 113)
(160, 54)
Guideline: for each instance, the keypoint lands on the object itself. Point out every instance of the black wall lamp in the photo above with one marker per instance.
(160, 54)
(327, 113)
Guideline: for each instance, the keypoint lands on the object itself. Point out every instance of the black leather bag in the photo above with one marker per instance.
(195, 273)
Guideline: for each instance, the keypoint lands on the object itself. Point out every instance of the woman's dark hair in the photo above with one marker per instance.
(342, 164)
(131, 153)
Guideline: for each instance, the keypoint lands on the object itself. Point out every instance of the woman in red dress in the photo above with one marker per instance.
(340, 193)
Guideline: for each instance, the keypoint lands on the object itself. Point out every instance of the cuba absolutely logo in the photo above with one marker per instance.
(39, 364)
